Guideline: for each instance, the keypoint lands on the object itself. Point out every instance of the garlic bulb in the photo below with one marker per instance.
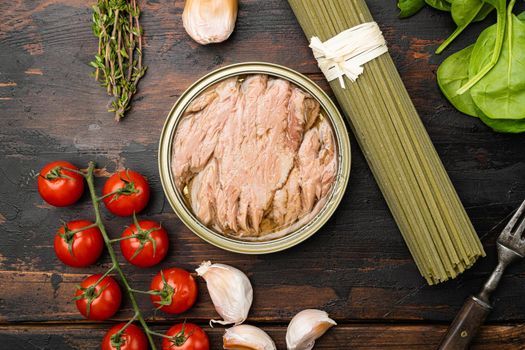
(209, 21)
(306, 327)
(230, 291)
(245, 337)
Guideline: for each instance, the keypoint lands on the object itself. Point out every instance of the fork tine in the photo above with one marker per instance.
(520, 229)
(514, 219)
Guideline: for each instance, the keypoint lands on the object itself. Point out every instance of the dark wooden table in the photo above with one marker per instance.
(357, 267)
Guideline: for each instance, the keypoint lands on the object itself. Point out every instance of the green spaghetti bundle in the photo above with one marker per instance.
(410, 174)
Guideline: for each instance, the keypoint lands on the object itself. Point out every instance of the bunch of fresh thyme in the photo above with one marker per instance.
(118, 62)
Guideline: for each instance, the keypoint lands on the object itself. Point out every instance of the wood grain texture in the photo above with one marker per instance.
(355, 337)
(357, 267)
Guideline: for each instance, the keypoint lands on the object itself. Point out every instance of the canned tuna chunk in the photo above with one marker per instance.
(254, 158)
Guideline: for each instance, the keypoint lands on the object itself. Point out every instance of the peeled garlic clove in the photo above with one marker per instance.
(230, 291)
(306, 327)
(209, 21)
(246, 337)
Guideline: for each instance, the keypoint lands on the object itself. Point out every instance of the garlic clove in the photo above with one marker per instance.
(305, 327)
(230, 290)
(209, 21)
(246, 337)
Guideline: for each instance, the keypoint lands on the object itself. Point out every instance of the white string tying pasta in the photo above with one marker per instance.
(345, 53)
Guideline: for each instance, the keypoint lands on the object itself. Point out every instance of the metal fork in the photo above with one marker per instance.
(511, 248)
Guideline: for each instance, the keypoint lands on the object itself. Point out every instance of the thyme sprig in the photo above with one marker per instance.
(118, 62)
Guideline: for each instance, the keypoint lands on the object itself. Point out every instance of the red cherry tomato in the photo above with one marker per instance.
(60, 187)
(186, 336)
(79, 249)
(103, 299)
(178, 294)
(131, 339)
(152, 241)
(133, 196)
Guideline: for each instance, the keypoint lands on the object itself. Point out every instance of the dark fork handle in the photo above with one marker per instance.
(466, 324)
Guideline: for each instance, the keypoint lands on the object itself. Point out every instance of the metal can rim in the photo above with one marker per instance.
(231, 244)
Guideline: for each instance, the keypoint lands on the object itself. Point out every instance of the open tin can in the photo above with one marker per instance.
(176, 198)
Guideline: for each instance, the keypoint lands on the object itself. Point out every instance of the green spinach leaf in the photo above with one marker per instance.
(463, 13)
(503, 125)
(485, 11)
(495, 50)
(442, 5)
(500, 94)
(453, 73)
(409, 7)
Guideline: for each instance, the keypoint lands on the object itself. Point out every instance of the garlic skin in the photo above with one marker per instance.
(305, 327)
(246, 337)
(209, 21)
(230, 290)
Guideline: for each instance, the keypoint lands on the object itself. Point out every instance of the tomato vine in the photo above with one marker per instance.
(91, 292)
(89, 176)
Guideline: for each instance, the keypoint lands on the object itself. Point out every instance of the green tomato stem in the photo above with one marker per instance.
(115, 240)
(72, 232)
(149, 292)
(107, 195)
(106, 274)
(158, 334)
(131, 320)
(96, 206)
(74, 171)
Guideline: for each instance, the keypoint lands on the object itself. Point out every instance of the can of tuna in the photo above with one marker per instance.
(179, 198)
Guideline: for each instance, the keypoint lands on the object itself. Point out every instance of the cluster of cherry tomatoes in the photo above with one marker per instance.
(144, 243)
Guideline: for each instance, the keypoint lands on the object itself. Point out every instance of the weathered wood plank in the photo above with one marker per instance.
(359, 336)
(350, 289)
(357, 267)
